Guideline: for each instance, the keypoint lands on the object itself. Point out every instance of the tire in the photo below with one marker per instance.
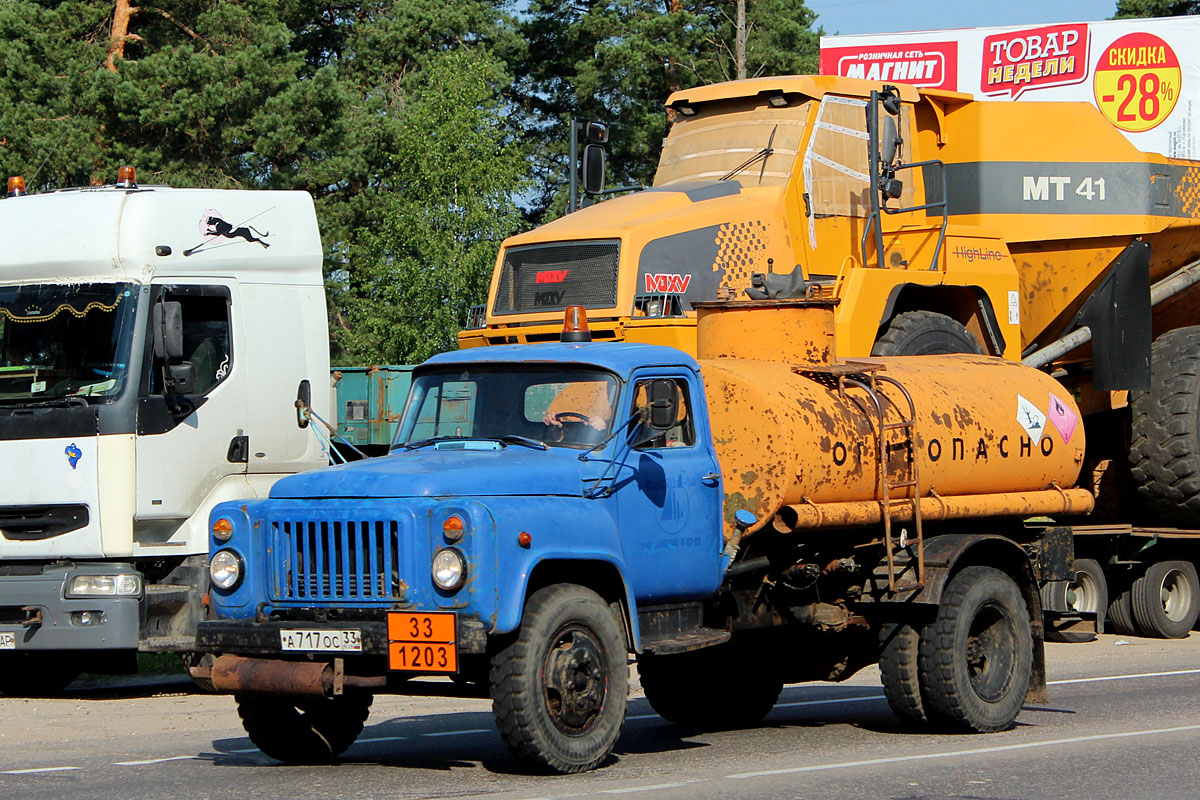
(898, 671)
(1166, 600)
(1088, 592)
(680, 690)
(36, 673)
(925, 333)
(1120, 614)
(1164, 456)
(560, 687)
(303, 731)
(976, 657)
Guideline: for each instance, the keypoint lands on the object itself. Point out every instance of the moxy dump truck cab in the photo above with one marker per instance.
(764, 514)
(132, 401)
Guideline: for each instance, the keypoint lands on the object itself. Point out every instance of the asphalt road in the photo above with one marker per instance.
(1124, 721)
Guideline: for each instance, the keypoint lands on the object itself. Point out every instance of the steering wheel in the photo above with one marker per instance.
(573, 416)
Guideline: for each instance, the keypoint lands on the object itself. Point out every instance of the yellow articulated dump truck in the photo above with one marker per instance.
(939, 224)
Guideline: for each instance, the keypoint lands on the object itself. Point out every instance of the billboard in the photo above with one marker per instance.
(1142, 74)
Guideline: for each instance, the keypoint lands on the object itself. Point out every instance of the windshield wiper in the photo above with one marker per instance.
(62, 402)
(434, 440)
(761, 155)
(513, 438)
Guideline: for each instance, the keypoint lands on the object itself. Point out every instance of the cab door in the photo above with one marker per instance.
(186, 444)
(669, 500)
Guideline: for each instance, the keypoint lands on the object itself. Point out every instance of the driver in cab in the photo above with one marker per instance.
(582, 404)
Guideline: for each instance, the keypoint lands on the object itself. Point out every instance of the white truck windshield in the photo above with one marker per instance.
(64, 341)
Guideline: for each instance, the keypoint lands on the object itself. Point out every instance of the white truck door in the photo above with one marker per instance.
(188, 444)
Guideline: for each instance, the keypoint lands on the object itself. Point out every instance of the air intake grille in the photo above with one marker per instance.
(322, 560)
(550, 277)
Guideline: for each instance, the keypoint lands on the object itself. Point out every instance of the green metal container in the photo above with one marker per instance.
(370, 401)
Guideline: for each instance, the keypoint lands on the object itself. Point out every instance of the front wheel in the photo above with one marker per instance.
(303, 731)
(925, 333)
(977, 655)
(559, 688)
(37, 673)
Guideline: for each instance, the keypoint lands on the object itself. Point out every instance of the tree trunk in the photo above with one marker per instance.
(120, 31)
(739, 52)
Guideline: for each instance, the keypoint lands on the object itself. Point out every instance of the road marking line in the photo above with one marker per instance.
(1127, 677)
(37, 769)
(380, 739)
(632, 789)
(830, 701)
(244, 750)
(152, 761)
(958, 753)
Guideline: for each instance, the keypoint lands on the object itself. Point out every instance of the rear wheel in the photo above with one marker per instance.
(303, 731)
(559, 688)
(1165, 453)
(680, 689)
(899, 669)
(1166, 600)
(977, 655)
(1120, 613)
(925, 333)
(1086, 593)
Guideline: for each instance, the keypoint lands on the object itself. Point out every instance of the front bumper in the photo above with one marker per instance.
(34, 608)
(246, 637)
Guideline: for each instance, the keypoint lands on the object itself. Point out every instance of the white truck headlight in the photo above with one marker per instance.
(449, 569)
(225, 569)
(122, 585)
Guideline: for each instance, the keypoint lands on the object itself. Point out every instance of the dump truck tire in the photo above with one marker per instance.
(925, 333)
(559, 687)
(680, 689)
(1166, 600)
(977, 655)
(303, 731)
(1119, 619)
(1090, 591)
(1164, 456)
(898, 671)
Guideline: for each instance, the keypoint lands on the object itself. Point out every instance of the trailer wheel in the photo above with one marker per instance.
(925, 333)
(1087, 592)
(1120, 613)
(1164, 455)
(977, 655)
(303, 731)
(1166, 600)
(899, 669)
(36, 673)
(559, 688)
(680, 690)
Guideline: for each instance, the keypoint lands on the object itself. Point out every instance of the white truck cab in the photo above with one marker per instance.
(152, 345)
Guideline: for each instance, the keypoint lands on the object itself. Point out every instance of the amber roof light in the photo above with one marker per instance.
(575, 325)
(16, 186)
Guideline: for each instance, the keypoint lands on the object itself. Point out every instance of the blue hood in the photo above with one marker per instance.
(427, 472)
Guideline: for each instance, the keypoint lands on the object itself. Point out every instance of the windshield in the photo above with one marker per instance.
(723, 139)
(60, 341)
(570, 407)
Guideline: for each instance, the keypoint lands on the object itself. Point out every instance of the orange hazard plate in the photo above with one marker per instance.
(422, 642)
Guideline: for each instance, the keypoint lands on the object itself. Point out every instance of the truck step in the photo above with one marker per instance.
(684, 642)
(168, 593)
(166, 644)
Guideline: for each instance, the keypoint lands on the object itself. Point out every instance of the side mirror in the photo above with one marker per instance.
(594, 160)
(891, 141)
(663, 397)
(166, 322)
(181, 378)
(303, 403)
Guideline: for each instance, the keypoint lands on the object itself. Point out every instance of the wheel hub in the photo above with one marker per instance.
(574, 680)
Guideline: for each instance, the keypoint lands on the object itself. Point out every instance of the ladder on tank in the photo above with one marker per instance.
(890, 481)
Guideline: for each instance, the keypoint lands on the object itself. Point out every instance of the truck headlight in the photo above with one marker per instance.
(449, 569)
(225, 569)
(122, 585)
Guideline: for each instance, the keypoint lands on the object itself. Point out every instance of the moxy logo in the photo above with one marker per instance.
(551, 276)
(668, 282)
